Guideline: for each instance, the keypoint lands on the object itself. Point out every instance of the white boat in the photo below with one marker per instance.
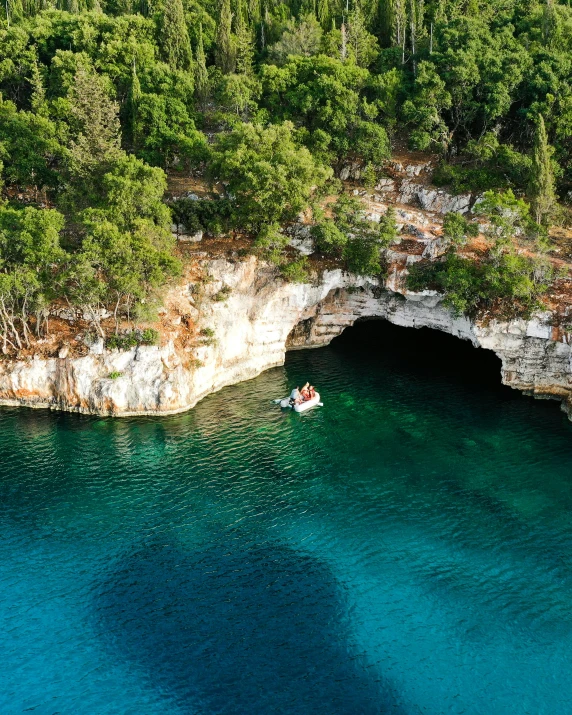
(302, 406)
(308, 404)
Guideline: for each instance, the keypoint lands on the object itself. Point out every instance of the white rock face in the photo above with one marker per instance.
(189, 237)
(263, 317)
(350, 171)
(385, 184)
(431, 199)
(301, 238)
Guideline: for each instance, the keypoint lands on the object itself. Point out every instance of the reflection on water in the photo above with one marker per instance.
(405, 549)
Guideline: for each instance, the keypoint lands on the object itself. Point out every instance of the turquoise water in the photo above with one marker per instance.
(406, 549)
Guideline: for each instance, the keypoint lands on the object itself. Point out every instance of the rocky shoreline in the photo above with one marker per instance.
(261, 319)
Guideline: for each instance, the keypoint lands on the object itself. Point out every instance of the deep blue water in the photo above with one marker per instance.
(406, 549)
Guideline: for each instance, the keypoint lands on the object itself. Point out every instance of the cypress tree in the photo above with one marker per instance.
(134, 99)
(201, 74)
(385, 14)
(324, 13)
(175, 37)
(224, 53)
(244, 42)
(542, 183)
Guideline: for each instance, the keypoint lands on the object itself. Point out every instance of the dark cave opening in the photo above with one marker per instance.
(424, 351)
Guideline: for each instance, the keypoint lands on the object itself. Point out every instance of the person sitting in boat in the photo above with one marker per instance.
(295, 396)
(305, 392)
(312, 392)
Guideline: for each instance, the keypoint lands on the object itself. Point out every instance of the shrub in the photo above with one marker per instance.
(271, 242)
(128, 340)
(509, 283)
(388, 228)
(328, 238)
(297, 271)
(222, 294)
(456, 228)
(362, 256)
(207, 332)
(114, 375)
(215, 216)
(149, 336)
(122, 342)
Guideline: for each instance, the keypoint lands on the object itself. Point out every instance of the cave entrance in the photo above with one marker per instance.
(423, 352)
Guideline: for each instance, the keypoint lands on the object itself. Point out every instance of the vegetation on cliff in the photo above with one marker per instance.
(270, 101)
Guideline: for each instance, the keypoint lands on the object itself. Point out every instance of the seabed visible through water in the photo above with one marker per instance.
(406, 549)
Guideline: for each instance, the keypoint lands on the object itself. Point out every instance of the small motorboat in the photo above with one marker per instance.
(301, 406)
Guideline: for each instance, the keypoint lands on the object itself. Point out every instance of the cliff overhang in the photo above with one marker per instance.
(261, 318)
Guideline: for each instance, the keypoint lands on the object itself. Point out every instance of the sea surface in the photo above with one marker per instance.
(405, 549)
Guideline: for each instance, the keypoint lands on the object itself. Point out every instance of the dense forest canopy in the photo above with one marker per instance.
(98, 99)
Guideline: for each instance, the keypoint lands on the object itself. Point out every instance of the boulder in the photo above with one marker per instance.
(443, 202)
(432, 199)
(190, 237)
(415, 169)
(385, 185)
(350, 171)
(301, 238)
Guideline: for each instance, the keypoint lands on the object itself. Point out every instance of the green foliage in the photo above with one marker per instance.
(362, 255)
(509, 282)
(175, 41)
(328, 238)
(296, 271)
(225, 54)
(542, 179)
(269, 177)
(30, 256)
(507, 216)
(222, 295)
(328, 95)
(302, 38)
(29, 147)
(114, 375)
(130, 339)
(149, 336)
(457, 229)
(271, 242)
(388, 233)
(351, 237)
(214, 216)
(92, 102)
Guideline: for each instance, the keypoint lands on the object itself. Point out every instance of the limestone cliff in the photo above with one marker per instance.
(261, 318)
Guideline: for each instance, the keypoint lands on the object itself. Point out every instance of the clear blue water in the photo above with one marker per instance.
(406, 549)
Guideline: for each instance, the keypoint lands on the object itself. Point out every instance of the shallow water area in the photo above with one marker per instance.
(404, 549)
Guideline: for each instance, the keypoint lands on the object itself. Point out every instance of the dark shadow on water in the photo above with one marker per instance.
(424, 351)
(428, 354)
(239, 628)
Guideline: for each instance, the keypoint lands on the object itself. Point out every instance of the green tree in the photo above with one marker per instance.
(225, 54)
(133, 103)
(542, 187)
(299, 38)
(95, 126)
(30, 254)
(388, 232)
(243, 42)
(201, 72)
(328, 238)
(29, 147)
(456, 229)
(174, 36)
(362, 45)
(270, 177)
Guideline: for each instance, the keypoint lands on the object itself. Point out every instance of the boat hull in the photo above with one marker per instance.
(303, 406)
